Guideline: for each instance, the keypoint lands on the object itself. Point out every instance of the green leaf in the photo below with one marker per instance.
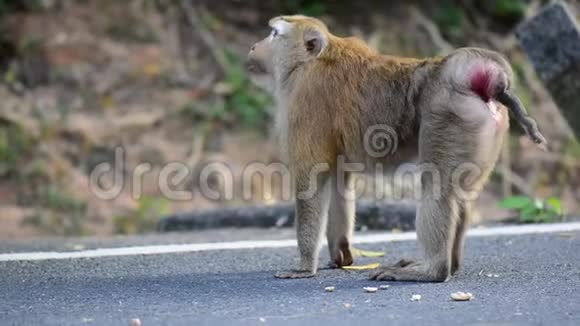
(314, 9)
(545, 217)
(555, 204)
(539, 204)
(218, 110)
(529, 213)
(525, 218)
(506, 8)
(516, 202)
(450, 18)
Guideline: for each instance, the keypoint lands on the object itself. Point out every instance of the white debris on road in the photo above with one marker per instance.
(461, 296)
(370, 289)
(416, 297)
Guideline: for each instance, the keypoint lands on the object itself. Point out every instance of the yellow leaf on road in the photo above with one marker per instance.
(365, 253)
(361, 267)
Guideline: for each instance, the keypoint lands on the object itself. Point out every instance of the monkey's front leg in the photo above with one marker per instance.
(341, 219)
(312, 200)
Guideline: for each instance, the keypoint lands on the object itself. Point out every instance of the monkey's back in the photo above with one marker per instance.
(359, 92)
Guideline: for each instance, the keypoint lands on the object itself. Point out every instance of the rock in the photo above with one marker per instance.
(551, 40)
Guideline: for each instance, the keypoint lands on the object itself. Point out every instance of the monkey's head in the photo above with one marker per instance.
(293, 40)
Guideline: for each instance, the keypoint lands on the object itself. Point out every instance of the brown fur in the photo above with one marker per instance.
(331, 90)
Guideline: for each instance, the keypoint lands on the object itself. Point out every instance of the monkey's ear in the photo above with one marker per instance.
(315, 41)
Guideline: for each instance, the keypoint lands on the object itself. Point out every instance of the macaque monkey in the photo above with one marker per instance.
(449, 112)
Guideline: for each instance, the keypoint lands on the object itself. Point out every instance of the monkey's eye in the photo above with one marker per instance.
(274, 32)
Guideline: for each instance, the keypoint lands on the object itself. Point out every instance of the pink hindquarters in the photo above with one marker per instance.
(481, 80)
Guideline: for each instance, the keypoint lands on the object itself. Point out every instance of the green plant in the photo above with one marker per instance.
(246, 101)
(307, 7)
(509, 8)
(9, 6)
(572, 147)
(144, 218)
(57, 213)
(10, 48)
(522, 90)
(450, 18)
(131, 30)
(534, 210)
(237, 99)
(15, 145)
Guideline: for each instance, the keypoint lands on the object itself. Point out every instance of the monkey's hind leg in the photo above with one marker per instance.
(341, 219)
(311, 214)
(436, 227)
(462, 225)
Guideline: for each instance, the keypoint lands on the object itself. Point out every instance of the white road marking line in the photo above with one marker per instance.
(197, 247)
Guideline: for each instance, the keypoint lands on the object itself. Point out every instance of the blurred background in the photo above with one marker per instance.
(164, 81)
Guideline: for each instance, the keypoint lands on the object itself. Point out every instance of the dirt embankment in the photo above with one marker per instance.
(161, 81)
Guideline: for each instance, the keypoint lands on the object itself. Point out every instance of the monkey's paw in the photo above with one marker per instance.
(404, 263)
(385, 274)
(294, 274)
(406, 270)
(389, 273)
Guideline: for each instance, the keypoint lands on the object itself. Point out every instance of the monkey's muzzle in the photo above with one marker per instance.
(254, 66)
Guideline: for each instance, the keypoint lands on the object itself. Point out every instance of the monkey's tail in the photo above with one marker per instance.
(517, 109)
(487, 74)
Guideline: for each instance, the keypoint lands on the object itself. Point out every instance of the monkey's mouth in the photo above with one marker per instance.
(255, 67)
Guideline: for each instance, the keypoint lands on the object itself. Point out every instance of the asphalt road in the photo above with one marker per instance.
(516, 280)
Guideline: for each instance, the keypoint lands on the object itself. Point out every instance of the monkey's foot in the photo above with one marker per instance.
(341, 260)
(403, 263)
(295, 274)
(406, 270)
